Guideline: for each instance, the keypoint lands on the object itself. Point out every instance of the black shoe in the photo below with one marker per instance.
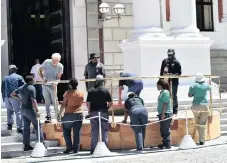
(67, 151)
(201, 143)
(48, 119)
(9, 127)
(91, 152)
(167, 146)
(19, 131)
(75, 151)
(27, 147)
(160, 146)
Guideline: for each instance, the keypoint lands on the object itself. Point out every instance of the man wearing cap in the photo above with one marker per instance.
(99, 100)
(50, 70)
(10, 83)
(200, 105)
(172, 66)
(92, 69)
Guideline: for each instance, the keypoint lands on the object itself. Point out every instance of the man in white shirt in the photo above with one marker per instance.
(38, 87)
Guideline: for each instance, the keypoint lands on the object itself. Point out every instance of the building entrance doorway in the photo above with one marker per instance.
(38, 28)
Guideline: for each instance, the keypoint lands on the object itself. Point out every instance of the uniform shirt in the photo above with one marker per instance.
(27, 92)
(129, 83)
(173, 67)
(98, 98)
(50, 71)
(164, 98)
(75, 100)
(133, 102)
(11, 83)
(91, 71)
(199, 92)
(35, 71)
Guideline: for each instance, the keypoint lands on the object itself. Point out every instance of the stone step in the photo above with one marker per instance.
(224, 127)
(19, 145)
(16, 138)
(224, 121)
(18, 153)
(9, 132)
(223, 133)
(223, 115)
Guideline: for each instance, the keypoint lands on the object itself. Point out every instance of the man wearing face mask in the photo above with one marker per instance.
(171, 66)
(92, 69)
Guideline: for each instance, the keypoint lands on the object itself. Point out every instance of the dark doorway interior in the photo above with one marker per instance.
(39, 28)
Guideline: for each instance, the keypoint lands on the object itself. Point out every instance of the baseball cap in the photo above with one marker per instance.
(12, 66)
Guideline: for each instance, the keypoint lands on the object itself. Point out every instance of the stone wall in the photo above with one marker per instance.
(219, 66)
(114, 32)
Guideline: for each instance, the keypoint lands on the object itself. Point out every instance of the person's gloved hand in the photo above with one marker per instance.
(124, 121)
(87, 116)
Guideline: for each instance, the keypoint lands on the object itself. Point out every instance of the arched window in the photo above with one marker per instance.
(204, 12)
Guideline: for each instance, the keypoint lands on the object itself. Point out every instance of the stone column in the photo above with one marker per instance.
(146, 17)
(224, 18)
(183, 18)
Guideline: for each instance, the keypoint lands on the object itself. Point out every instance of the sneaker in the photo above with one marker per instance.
(167, 146)
(19, 131)
(27, 147)
(160, 146)
(48, 119)
(75, 151)
(9, 127)
(67, 151)
(201, 143)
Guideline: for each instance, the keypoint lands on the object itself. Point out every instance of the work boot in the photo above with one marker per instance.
(27, 147)
(9, 127)
(67, 151)
(48, 119)
(19, 131)
(201, 143)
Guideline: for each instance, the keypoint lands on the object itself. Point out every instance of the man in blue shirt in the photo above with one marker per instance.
(10, 83)
(134, 85)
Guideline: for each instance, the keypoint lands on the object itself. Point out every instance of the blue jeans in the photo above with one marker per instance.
(67, 129)
(12, 106)
(48, 94)
(95, 129)
(139, 116)
(165, 129)
(29, 116)
(136, 88)
(39, 92)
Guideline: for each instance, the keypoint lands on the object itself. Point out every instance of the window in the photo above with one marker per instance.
(204, 12)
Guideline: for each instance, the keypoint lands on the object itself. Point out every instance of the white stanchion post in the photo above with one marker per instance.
(101, 149)
(187, 142)
(100, 128)
(39, 150)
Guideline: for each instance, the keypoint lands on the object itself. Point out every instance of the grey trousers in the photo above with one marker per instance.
(95, 129)
(29, 116)
(12, 106)
(48, 94)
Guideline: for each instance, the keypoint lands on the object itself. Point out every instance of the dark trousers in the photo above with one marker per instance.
(139, 116)
(39, 92)
(95, 129)
(175, 100)
(165, 129)
(67, 129)
(28, 117)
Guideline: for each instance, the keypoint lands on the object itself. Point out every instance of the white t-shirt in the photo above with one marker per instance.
(35, 71)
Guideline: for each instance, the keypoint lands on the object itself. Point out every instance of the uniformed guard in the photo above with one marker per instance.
(200, 106)
(92, 69)
(99, 100)
(139, 116)
(172, 66)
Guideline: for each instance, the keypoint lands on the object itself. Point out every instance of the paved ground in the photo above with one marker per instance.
(213, 152)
